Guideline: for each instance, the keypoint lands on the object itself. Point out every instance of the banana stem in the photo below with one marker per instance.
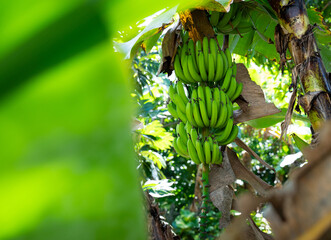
(205, 202)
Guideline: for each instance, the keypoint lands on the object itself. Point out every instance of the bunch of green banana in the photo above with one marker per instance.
(230, 85)
(209, 107)
(236, 21)
(202, 62)
(177, 108)
(228, 134)
(180, 142)
(206, 151)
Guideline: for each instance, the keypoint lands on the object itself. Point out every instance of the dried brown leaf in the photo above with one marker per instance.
(241, 172)
(169, 47)
(252, 103)
(289, 113)
(221, 194)
(250, 151)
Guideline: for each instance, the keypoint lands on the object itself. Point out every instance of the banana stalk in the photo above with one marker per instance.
(296, 34)
(205, 202)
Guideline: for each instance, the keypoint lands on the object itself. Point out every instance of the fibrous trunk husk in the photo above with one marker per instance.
(296, 34)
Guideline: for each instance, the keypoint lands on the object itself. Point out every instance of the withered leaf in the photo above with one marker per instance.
(253, 103)
(169, 47)
(243, 173)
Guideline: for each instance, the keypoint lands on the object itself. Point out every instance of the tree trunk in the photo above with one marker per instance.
(296, 34)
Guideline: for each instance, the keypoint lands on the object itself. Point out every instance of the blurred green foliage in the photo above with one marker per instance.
(67, 169)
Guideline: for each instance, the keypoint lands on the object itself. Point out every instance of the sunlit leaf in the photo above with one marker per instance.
(154, 27)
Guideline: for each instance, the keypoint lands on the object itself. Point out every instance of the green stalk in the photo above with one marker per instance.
(294, 27)
(205, 202)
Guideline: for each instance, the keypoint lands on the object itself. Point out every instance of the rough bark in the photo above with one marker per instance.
(296, 34)
(157, 228)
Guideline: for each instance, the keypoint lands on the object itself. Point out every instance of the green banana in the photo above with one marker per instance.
(186, 70)
(226, 132)
(214, 17)
(181, 131)
(179, 51)
(185, 37)
(209, 98)
(188, 128)
(220, 160)
(232, 136)
(204, 114)
(178, 69)
(183, 54)
(201, 94)
(219, 67)
(214, 115)
(225, 63)
(217, 97)
(194, 136)
(172, 92)
(172, 109)
(189, 114)
(229, 107)
(215, 153)
(192, 69)
(197, 115)
(192, 152)
(202, 67)
(210, 140)
(182, 146)
(233, 23)
(206, 148)
(213, 48)
(227, 80)
(237, 92)
(223, 116)
(198, 50)
(219, 42)
(179, 103)
(181, 115)
(236, 19)
(224, 21)
(194, 95)
(228, 56)
(232, 88)
(205, 49)
(211, 68)
(199, 148)
(178, 150)
(191, 51)
(234, 70)
(181, 92)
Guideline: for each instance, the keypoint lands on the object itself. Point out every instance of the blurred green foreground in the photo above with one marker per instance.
(66, 162)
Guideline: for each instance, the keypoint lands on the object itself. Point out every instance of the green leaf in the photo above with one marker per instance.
(163, 138)
(41, 51)
(149, 43)
(325, 52)
(67, 169)
(215, 5)
(159, 188)
(299, 142)
(154, 27)
(271, 120)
